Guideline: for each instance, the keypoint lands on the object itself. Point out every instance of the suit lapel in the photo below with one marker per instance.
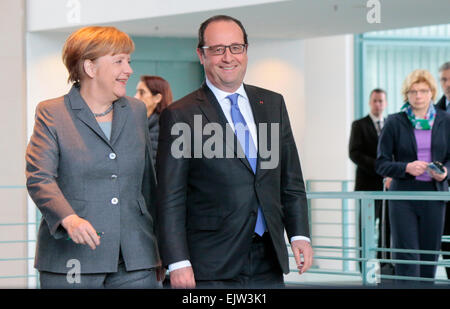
(371, 127)
(210, 107)
(121, 111)
(409, 128)
(435, 131)
(261, 114)
(83, 112)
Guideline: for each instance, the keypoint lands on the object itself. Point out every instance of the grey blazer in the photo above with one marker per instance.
(72, 168)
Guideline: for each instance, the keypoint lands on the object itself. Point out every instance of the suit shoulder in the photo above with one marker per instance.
(135, 103)
(361, 120)
(395, 119)
(51, 104)
(262, 91)
(443, 114)
(186, 102)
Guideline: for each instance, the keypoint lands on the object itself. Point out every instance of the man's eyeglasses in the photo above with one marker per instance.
(421, 91)
(220, 49)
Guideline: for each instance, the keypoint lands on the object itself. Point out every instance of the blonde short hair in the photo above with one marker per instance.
(419, 76)
(90, 43)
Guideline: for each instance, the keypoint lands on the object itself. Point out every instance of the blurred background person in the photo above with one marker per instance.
(155, 92)
(410, 140)
(443, 104)
(363, 152)
(90, 174)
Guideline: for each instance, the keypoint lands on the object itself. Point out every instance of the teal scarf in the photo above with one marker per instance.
(418, 123)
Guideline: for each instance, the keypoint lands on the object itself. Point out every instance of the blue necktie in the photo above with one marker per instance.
(246, 141)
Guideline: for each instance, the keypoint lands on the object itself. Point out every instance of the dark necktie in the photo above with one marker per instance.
(245, 139)
(378, 127)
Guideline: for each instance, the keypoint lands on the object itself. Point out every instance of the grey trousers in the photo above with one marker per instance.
(122, 279)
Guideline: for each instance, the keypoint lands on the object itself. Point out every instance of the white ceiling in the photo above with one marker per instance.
(302, 18)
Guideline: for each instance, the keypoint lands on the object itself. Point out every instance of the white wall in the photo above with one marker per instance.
(329, 89)
(67, 13)
(278, 65)
(315, 77)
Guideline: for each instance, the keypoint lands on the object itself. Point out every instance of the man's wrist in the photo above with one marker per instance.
(300, 238)
(178, 265)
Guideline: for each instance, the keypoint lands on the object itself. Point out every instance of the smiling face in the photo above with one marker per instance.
(111, 73)
(226, 71)
(146, 96)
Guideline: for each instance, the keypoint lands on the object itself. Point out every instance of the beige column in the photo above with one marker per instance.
(13, 138)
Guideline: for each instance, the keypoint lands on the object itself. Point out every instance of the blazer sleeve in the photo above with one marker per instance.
(293, 193)
(447, 161)
(385, 165)
(42, 160)
(149, 182)
(356, 146)
(172, 176)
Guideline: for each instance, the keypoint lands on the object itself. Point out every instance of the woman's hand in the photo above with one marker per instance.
(81, 231)
(438, 177)
(416, 168)
(160, 273)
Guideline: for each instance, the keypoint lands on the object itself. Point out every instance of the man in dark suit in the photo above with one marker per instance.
(363, 152)
(443, 104)
(222, 210)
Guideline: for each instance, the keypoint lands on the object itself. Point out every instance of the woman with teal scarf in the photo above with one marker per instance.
(412, 139)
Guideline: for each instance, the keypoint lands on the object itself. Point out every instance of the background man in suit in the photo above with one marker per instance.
(221, 220)
(443, 103)
(363, 152)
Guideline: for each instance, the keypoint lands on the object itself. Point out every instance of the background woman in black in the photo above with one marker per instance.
(155, 92)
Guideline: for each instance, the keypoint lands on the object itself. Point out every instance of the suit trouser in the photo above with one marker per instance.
(416, 225)
(122, 279)
(261, 269)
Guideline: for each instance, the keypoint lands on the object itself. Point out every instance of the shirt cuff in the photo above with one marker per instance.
(179, 265)
(300, 238)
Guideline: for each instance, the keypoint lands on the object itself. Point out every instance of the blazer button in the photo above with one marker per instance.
(114, 201)
(112, 156)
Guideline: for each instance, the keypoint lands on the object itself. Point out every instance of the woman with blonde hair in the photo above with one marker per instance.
(90, 173)
(410, 141)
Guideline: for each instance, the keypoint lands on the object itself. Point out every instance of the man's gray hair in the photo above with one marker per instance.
(445, 66)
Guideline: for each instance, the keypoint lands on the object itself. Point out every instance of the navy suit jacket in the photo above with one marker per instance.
(207, 207)
(397, 147)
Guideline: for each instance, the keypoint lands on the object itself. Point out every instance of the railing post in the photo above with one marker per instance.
(370, 266)
(308, 201)
(345, 222)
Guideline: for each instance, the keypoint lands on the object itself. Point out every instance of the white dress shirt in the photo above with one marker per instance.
(375, 120)
(246, 112)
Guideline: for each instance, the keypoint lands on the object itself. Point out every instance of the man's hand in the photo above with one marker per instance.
(182, 278)
(387, 182)
(302, 247)
(416, 168)
(81, 231)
